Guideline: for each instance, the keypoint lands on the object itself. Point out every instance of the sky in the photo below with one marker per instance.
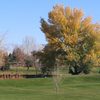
(21, 18)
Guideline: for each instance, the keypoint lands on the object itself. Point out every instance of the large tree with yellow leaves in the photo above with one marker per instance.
(69, 31)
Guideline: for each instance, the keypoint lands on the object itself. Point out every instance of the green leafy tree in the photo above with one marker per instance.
(46, 59)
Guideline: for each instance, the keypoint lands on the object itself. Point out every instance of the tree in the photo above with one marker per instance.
(2, 50)
(3, 60)
(47, 60)
(2, 57)
(28, 62)
(18, 56)
(77, 37)
(28, 45)
(36, 60)
(7, 63)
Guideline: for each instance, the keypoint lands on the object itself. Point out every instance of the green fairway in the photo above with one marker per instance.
(72, 88)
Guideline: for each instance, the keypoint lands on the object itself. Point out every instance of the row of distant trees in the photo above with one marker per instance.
(72, 41)
(20, 56)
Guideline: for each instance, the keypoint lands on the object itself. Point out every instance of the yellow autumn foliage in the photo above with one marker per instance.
(67, 29)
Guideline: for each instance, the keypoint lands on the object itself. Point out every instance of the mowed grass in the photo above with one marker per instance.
(20, 70)
(71, 88)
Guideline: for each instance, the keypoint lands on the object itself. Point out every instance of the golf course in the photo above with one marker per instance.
(83, 87)
(49, 50)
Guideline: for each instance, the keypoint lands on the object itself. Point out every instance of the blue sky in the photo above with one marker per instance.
(20, 18)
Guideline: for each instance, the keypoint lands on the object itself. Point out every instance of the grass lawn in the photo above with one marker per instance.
(20, 70)
(72, 88)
